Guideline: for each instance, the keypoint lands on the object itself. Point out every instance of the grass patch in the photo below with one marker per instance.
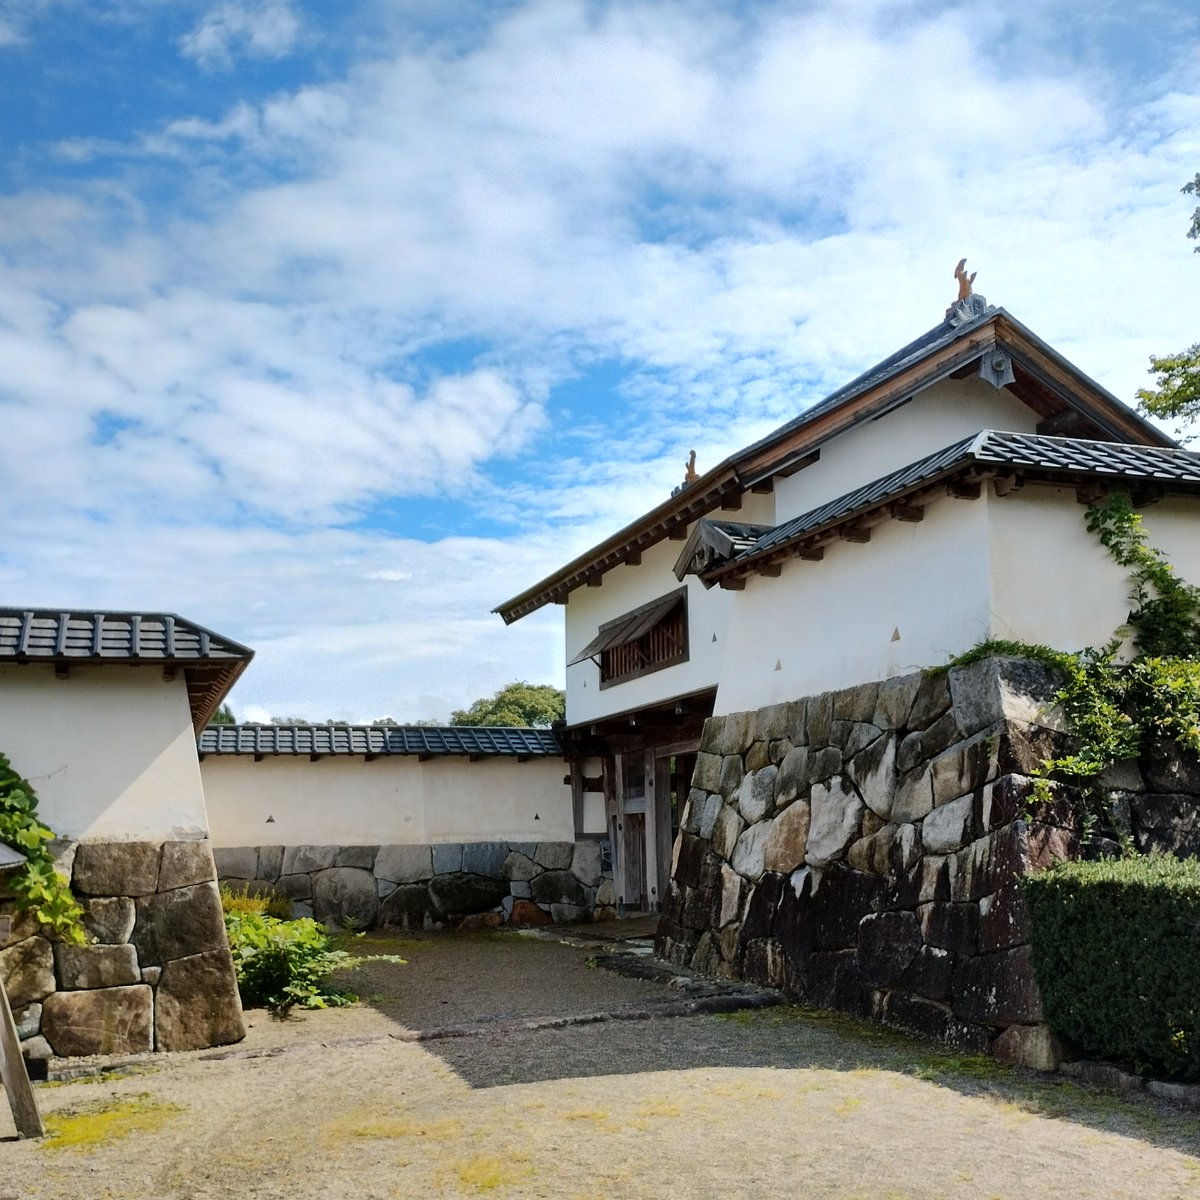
(361, 1126)
(94, 1125)
(484, 1172)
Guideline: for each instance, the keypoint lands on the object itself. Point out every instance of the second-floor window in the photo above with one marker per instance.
(648, 638)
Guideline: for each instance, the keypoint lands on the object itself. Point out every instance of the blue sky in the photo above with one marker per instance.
(332, 325)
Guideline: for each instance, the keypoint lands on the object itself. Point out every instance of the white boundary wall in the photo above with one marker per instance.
(343, 800)
(110, 750)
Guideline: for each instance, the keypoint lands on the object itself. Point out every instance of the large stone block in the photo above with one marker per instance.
(270, 862)
(940, 736)
(931, 701)
(117, 1020)
(873, 772)
(525, 912)
(951, 826)
(953, 927)
(749, 853)
(786, 847)
(792, 779)
(586, 863)
(185, 863)
(998, 989)
(560, 887)
(81, 967)
(779, 720)
(831, 979)
(733, 891)
(1003, 919)
(28, 1020)
(345, 897)
(484, 858)
(733, 772)
(834, 821)
(757, 757)
(407, 907)
(913, 798)
(819, 726)
(362, 857)
(855, 703)
(1166, 824)
(457, 894)
(554, 856)
(116, 868)
(727, 829)
(709, 812)
(16, 924)
(1169, 768)
(235, 862)
(733, 733)
(932, 1019)
(887, 943)
(930, 973)
(404, 864)
(762, 906)
(301, 860)
(895, 700)
(756, 797)
(196, 1003)
(821, 910)
(178, 923)
(28, 971)
(995, 690)
(963, 768)
(294, 887)
(707, 773)
(1030, 1046)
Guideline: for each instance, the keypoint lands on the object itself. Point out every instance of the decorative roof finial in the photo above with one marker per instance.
(968, 306)
(690, 474)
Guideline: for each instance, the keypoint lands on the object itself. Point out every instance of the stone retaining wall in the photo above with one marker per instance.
(157, 975)
(860, 850)
(432, 886)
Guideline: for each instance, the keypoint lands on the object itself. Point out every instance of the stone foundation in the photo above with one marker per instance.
(432, 886)
(860, 849)
(156, 974)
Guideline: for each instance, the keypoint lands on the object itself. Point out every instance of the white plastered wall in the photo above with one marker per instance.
(938, 417)
(624, 589)
(345, 800)
(110, 750)
(916, 594)
(1052, 581)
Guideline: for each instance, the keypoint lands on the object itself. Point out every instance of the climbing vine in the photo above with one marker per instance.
(37, 887)
(1117, 709)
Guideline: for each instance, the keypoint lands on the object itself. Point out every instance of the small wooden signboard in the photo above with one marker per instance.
(13, 1075)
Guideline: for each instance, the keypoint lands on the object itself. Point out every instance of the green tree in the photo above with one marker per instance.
(519, 703)
(1176, 394)
(223, 716)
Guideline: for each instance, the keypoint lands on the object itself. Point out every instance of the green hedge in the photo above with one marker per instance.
(1116, 949)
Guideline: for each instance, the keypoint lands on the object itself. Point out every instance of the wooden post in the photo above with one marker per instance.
(577, 794)
(614, 796)
(665, 844)
(13, 1076)
(650, 775)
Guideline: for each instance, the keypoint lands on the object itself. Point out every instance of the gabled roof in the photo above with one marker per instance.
(370, 741)
(1012, 459)
(712, 542)
(979, 340)
(210, 662)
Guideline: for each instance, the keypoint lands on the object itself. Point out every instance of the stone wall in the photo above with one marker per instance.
(157, 974)
(860, 850)
(432, 886)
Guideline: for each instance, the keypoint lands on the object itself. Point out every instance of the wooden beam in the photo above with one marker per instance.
(908, 512)
(650, 782)
(769, 570)
(14, 1077)
(964, 489)
(577, 806)
(595, 581)
(1006, 484)
(678, 532)
(810, 553)
(1059, 423)
(633, 558)
(731, 501)
(734, 584)
(764, 487)
(855, 533)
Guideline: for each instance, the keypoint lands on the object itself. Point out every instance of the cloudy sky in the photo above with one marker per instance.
(332, 324)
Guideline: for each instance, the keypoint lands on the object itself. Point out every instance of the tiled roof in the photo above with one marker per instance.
(1050, 458)
(426, 740)
(55, 636)
(210, 663)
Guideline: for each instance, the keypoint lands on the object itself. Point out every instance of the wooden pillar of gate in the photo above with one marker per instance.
(13, 1075)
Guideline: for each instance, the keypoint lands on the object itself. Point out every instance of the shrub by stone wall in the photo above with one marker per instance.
(860, 850)
(157, 975)
(431, 887)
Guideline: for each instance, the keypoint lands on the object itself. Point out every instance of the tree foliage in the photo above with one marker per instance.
(1176, 391)
(537, 705)
(223, 716)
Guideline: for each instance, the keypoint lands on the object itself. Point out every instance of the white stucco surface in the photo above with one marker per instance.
(345, 800)
(109, 750)
(916, 594)
(938, 417)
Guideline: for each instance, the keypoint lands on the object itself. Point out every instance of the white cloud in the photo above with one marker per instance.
(741, 207)
(254, 28)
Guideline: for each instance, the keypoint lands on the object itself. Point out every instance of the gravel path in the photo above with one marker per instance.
(756, 1104)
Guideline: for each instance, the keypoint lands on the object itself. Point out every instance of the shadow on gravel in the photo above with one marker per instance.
(502, 1009)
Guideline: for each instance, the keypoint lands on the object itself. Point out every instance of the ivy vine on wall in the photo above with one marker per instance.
(36, 886)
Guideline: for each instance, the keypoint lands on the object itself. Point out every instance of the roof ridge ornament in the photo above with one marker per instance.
(968, 306)
(690, 474)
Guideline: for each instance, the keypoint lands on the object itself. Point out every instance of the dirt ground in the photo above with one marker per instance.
(778, 1102)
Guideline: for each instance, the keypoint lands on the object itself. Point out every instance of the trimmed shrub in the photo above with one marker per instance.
(1116, 949)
